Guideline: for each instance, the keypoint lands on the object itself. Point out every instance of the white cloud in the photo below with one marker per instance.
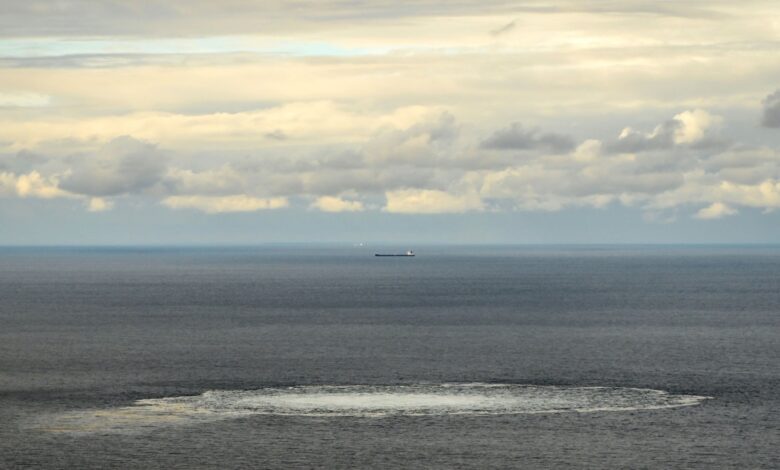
(686, 128)
(34, 185)
(716, 210)
(317, 122)
(335, 204)
(588, 151)
(23, 100)
(222, 204)
(428, 201)
(97, 204)
(694, 125)
(223, 180)
(763, 195)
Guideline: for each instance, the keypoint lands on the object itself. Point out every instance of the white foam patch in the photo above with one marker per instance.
(364, 401)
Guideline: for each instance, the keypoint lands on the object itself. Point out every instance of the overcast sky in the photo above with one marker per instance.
(467, 121)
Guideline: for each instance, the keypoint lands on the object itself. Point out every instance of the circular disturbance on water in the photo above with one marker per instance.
(364, 401)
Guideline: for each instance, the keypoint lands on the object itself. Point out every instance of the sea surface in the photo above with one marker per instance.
(328, 357)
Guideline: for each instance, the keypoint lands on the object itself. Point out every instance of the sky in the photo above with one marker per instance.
(430, 121)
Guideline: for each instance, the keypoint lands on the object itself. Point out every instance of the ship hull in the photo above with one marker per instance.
(394, 256)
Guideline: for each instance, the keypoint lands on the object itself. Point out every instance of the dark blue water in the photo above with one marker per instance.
(85, 333)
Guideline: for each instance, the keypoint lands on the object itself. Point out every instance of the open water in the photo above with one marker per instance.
(309, 357)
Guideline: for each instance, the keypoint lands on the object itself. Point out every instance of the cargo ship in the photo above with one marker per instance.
(408, 253)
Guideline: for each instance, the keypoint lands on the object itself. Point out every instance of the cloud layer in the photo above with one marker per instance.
(426, 107)
(430, 165)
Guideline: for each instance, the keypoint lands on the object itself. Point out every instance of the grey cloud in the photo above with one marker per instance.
(172, 18)
(346, 160)
(415, 156)
(619, 181)
(443, 129)
(279, 184)
(330, 175)
(21, 162)
(771, 116)
(430, 154)
(741, 157)
(605, 176)
(96, 60)
(423, 144)
(420, 156)
(515, 137)
(192, 17)
(744, 165)
(277, 134)
(275, 164)
(680, 9)
(124, 165)
(750, 175)
(368, 180)
(712, 144)
(219, 181)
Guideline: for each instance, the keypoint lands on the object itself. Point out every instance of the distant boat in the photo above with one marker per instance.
(408, 253)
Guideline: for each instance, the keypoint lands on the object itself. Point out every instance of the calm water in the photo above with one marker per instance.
(640, 357)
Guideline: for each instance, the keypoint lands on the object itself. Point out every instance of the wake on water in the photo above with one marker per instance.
(361, 401)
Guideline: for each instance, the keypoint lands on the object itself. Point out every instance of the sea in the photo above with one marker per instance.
(325, 356)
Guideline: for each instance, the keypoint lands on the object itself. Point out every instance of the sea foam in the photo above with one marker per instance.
(363, 401)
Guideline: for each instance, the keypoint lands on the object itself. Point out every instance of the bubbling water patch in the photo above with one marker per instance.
(363, 401)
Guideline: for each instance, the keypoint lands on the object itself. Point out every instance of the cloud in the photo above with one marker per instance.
(224, 180)
(177, 18)
(426, 201)
(230, 106)
(335, 204)
(184, 18)
(97, 204)
(22, 162)
(631, 141)
(421, 161)
(716, 210)
(7, 184)
(694, 125)
(124, 165)
(421, 144)
(771, 116)
(686, 128)
(515, 137)
(23, 100)
(35, 185)
(764, 195)
(276, 134)
(319, 122)
(224, 204)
